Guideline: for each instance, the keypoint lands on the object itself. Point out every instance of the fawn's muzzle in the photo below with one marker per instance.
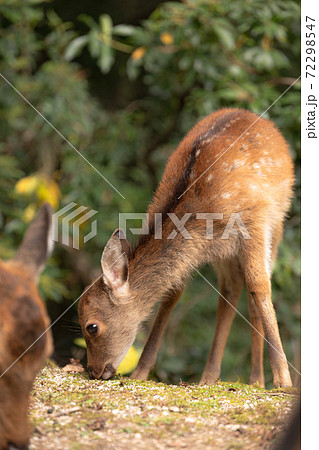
(108, 372)
(94, 374)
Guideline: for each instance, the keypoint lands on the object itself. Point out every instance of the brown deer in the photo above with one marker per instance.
(23, 319)
(230, 162)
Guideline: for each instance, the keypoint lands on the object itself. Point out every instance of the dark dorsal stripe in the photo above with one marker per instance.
(184, 180)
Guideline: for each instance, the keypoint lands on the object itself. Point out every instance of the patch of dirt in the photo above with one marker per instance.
(69, 411)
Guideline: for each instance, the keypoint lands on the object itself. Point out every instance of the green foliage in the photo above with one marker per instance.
(100, 41)
(185, 61)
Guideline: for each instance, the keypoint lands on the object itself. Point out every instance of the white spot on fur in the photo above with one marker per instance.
(238, 163)
(227, 167)
(266, 162)
(256, 166)
(209, 178)
(197, 153)
(254, 187)
(227, 195)
(204, 136)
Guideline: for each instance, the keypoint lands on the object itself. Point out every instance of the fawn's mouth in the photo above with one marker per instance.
(98, 374)
(109, 372)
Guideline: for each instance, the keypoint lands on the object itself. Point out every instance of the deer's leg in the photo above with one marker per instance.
(257, 332)
(231, 284)
(148, 357)
(257, 345)
(258, 261)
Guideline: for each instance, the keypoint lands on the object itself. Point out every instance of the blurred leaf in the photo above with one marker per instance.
(29, 212)
(75, 47)
(94, 43)
(123, 30)
(80, 342)
(105, 59)
(85, 18)
(106, 27)
(224, 34)
(129, 362)
(28, 185)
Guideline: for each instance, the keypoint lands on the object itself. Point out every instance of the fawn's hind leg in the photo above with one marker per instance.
(257, 261)
(230, 277)
(257, 345)
(148, 357)
(257, 332)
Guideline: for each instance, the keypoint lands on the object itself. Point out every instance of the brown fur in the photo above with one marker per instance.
(23, 319)
(253, 178)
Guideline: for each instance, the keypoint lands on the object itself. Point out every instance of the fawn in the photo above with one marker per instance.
(254, 178)
(23, 319)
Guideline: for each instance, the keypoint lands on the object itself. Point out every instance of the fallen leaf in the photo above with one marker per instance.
(73, 368)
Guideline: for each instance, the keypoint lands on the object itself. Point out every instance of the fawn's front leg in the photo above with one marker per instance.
(231, 284)
(148, 357)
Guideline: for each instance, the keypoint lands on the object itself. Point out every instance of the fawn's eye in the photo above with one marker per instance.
(92, 329)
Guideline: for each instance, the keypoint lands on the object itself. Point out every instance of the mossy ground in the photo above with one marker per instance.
(69, 411)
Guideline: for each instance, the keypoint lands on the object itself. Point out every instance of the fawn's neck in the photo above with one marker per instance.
(159, 266)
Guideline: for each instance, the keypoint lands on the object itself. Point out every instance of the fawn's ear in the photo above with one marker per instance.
(114, 262)
(37, 243)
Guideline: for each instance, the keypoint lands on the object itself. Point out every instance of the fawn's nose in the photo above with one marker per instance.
(108, 372)
(94, 374)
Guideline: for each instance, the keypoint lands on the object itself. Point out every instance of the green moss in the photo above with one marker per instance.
(125, 410)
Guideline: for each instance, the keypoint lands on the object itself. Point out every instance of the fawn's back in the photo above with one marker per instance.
(233, 171)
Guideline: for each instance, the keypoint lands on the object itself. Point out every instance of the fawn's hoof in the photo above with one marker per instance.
(208, 381)
(282, 385)
(138, 375)
(259, 380)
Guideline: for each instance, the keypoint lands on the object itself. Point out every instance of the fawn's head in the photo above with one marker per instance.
(23, 319)
(108, 317)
